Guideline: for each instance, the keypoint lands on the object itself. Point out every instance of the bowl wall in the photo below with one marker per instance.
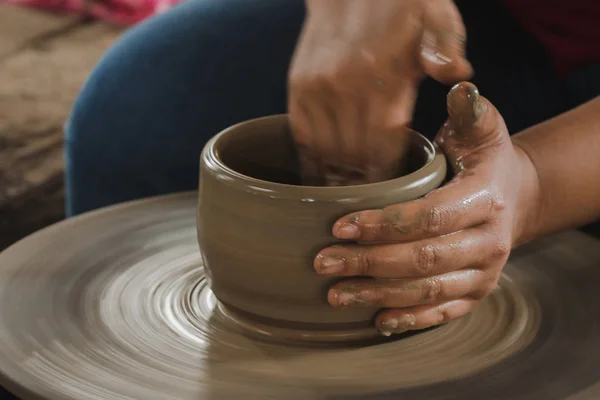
(259, 230)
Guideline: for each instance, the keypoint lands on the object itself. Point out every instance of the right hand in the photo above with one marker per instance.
(354, 79)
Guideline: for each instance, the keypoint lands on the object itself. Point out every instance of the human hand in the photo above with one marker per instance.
(354, 78)
(444, 252)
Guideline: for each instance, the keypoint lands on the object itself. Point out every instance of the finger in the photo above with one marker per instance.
(336, 170)
(396, 321)
(474, 130)
(352, 110)
(465, 203)
(419, 259)
(390, 108)
(443, 43)
(301, 126)
(400, 293)
(385, 151)
(315, 129)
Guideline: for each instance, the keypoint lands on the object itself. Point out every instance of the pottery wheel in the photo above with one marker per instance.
(115, 305)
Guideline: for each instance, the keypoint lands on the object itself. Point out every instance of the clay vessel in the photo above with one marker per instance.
(259, 230)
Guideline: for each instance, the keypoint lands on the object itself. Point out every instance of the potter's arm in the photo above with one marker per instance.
(565, 152)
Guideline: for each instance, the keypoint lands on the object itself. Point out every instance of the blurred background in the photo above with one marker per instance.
(47, 50)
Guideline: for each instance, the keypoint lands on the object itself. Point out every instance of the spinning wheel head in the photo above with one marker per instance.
(127, 314)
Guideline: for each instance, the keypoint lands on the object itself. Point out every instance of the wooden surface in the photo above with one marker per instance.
(44, 60)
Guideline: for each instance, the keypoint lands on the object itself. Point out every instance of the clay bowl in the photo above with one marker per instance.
(259, 230)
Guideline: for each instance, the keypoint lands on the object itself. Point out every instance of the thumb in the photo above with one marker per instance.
(443, 43)
(474, 124)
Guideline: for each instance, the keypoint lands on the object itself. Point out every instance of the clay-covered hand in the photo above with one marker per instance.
(443, 253)
(354, 77)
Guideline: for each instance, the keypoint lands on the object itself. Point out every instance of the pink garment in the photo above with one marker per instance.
(123, 12)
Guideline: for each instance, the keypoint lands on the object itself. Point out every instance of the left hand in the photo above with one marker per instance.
(444, 252)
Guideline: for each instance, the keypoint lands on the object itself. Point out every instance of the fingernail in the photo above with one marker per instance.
(345, 230)
(465, 107)
(434, 56)
(388, 325)
(430, 50)
(327, 264)
(333, 297)
(397, 325)
(350, 298)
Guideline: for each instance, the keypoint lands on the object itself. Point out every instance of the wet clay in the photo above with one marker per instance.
(260, 229)
(127, 313)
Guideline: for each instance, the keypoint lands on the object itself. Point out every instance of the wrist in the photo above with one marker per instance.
(528, 203)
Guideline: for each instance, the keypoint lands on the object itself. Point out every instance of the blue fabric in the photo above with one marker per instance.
(166, 87)
(171, 83)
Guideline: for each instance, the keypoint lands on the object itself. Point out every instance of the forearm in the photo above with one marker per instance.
(565, 153)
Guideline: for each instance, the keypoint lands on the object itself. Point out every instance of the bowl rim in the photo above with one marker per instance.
(211, 162)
